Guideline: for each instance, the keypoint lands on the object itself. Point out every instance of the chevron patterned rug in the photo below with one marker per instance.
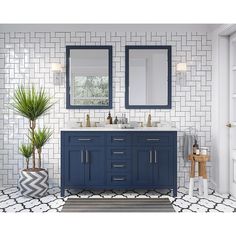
(117, 205)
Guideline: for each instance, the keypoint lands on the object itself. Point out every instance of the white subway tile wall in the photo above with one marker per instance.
(26, 58)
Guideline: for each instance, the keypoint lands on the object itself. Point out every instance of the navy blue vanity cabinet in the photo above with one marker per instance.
(155, 160)
(83, 160)
(119, 160)
(153, 166)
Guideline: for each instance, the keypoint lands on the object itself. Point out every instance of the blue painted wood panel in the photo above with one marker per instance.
(119, 165)
(84, 138)
(118, 152)
(95, 166)
(120, 139)
(163, 166)
(143, 167)
(74, 167)
(152, 138)
(118, 179)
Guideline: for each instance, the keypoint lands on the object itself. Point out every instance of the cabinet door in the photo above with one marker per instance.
(94, 166)
(74, 167)
(163, 166)
(143, 166)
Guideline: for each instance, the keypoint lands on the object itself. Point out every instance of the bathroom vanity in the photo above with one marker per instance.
(105, 158)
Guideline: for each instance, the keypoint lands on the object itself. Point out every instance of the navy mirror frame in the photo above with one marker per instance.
(68, 48)
(127, 105)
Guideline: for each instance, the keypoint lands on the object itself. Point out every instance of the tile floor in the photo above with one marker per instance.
(12, 201)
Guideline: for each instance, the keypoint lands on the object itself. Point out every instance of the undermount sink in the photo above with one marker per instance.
(120, 126)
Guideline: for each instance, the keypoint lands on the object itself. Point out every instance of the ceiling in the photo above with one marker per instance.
(107, 27)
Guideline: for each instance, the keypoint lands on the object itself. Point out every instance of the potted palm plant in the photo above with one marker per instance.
(32, 104)
(26, 151)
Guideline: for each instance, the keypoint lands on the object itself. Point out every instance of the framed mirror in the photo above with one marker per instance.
(88, 77)
(148, 77)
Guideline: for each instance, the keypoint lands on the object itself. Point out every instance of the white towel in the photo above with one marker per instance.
(188, 141)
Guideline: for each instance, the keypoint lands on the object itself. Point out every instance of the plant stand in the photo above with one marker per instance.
(202, 173)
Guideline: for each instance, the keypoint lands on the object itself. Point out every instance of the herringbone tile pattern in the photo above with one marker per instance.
(26, 58)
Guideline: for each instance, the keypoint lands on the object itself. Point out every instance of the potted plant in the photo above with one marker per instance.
(32, 104)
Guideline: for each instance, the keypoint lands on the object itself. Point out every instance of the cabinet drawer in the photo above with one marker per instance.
(116, 153)
(85, 139)
(153, 138)
(118, 179)
(118, 165)
(120, 139)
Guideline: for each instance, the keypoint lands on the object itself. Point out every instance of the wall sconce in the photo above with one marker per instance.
(181, 69)
(57, 70)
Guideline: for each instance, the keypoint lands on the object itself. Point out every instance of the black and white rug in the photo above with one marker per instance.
(12, 201)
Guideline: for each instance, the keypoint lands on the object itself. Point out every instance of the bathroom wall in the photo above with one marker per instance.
(26, 58)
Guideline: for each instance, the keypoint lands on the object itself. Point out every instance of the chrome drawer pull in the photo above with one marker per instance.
(150, 156)
(118, 153)
(118, 166)
(82, 156)
(84, 139)
(152, 139)
(155, 156)
(118, 179)
(118, 139)
(86, 156)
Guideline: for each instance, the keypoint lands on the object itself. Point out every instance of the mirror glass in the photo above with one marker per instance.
(89, 72)
(148, 77)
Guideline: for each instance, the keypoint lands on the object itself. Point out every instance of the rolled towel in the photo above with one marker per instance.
(188, 141)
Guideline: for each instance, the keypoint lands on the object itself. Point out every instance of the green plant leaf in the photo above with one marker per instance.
(41, 136)
(31, 103)
(26, 150)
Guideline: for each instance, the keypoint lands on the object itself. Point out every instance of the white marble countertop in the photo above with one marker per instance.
(121, 129)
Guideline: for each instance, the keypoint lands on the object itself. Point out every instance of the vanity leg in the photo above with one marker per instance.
(175, 192)
(62, 191)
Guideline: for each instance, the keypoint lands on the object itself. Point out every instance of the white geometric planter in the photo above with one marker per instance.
(33, 183)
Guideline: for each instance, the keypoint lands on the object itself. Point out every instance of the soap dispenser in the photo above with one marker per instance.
(109, 118)
(116, 120)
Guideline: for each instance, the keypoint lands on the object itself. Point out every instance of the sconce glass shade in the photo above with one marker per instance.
(56, 67)
(180, 67)
(57, 73)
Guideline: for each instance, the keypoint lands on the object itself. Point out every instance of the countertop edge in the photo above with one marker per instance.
(119, 130)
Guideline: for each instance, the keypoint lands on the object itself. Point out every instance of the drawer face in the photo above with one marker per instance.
(153, 138)
(118, 179)
(116, 153)
(120, 139)
(118, 165)
(85, 139)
